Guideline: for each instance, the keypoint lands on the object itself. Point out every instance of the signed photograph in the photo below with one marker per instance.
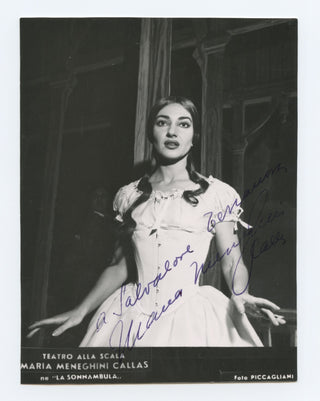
(158, 200)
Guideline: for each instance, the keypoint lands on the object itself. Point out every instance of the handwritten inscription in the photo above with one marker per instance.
(134, 334)
(211, 264)
(253, 243)
(142, 291)
(235, 207)
(137, 330)
(277, 169)
(221, 216)
(101, 321)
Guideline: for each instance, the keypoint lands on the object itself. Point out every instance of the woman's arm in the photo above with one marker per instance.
(234, 270)
(237, 277)
(110, 280)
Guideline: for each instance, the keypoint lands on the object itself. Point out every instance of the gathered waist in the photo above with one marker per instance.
(150, 229)
(154, 302)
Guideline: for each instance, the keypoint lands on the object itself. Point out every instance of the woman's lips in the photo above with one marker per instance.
(171, 144)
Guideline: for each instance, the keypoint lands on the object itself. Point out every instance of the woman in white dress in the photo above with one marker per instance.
(171, 216)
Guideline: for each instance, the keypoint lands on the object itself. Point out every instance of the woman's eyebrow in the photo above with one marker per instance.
(179, 118)
(184, 117)
(163, 116)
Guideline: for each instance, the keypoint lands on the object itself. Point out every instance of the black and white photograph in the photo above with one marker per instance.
(158, 200)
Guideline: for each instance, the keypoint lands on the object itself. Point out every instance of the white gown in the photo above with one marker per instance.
(168, 307)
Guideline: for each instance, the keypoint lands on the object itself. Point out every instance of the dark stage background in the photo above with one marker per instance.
(86, 85)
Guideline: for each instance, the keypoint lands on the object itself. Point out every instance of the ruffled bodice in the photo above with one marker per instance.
(169, 209)
(166, 226)
(170, 242)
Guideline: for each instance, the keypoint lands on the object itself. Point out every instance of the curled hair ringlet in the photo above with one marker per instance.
(144, 185)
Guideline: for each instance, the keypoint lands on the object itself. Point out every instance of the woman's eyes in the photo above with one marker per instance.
(184, 125)
(163, 123)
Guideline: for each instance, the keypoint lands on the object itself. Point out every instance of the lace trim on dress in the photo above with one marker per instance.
(224, 199)
(172, 194)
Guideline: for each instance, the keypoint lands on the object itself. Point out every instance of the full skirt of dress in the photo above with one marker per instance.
(207, 318)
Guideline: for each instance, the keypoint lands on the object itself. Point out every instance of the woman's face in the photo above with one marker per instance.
(173, 132)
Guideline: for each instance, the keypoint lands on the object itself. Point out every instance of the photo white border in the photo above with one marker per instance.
(307, 12)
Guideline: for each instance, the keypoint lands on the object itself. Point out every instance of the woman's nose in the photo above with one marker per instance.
(171, 130)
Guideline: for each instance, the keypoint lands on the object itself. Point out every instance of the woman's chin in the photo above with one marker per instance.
(168, 156)
(168, 159)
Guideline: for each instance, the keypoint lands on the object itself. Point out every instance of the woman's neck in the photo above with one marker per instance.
(167, 174)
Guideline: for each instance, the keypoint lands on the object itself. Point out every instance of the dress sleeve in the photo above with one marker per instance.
(225, 204)
(124, 199)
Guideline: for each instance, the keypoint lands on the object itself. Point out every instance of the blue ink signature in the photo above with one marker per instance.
(221, 215)
(101, 321)
(211, 264)
(154, 316)
(250, 241)
(136, 335)
(140, 292)
(278, 168)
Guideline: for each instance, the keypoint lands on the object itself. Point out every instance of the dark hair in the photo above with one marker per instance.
(144, 185)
